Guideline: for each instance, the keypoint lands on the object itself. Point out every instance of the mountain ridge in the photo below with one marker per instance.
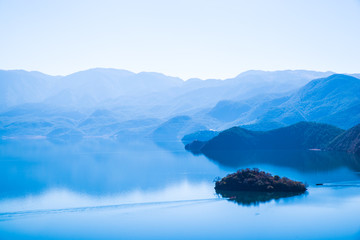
(334, 100)
(348, 141)
(59, 100)
(300, 136)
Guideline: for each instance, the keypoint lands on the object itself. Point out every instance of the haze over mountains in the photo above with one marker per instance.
(119, 103)
(96, 86)
(333, 100)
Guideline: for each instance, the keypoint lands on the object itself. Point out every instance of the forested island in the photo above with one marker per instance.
(256, 180)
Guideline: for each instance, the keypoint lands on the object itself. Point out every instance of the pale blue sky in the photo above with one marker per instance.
(184, 38)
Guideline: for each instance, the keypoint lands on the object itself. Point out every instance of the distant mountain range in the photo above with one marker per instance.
(95, 87)
(334, 100)
(121, 104)
(82, 89)
(300, 136)
(175, 128)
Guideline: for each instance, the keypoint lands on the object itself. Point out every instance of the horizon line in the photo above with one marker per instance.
(168, 75)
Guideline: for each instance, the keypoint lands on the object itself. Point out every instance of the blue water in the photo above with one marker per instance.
(138, 189)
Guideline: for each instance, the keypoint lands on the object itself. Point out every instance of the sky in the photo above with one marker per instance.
(187, 38)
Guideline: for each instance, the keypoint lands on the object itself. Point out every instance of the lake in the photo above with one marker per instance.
(140, 189)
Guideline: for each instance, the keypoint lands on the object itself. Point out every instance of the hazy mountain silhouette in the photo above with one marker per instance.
(33, 103)
(19, 87)
(175, 128)
(204, 135)
(103, 84)
(334, 100)
(98, 85)
(37, 119)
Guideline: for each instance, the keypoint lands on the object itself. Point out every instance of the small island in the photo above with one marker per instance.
(256, 180)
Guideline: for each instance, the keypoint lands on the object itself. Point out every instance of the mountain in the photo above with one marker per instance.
(278, 81)
(34, 119)
(301, 136)
(64, 135)
(348, 141)
(204, 135)
(333, 100)
(19, 87)
(96, 86)
(231, 109)
(250, 84)
(80, 89)
(114, 87)
(98, 119)
(32, 103)
(246, 112)
(138, 128)
(175, 128)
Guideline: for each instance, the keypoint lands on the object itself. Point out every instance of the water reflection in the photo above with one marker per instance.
(105, 167)
(95, 166)
(103, 189)
(304, 161)
(252, 198)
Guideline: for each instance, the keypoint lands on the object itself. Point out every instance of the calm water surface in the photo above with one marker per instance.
(138, 189)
